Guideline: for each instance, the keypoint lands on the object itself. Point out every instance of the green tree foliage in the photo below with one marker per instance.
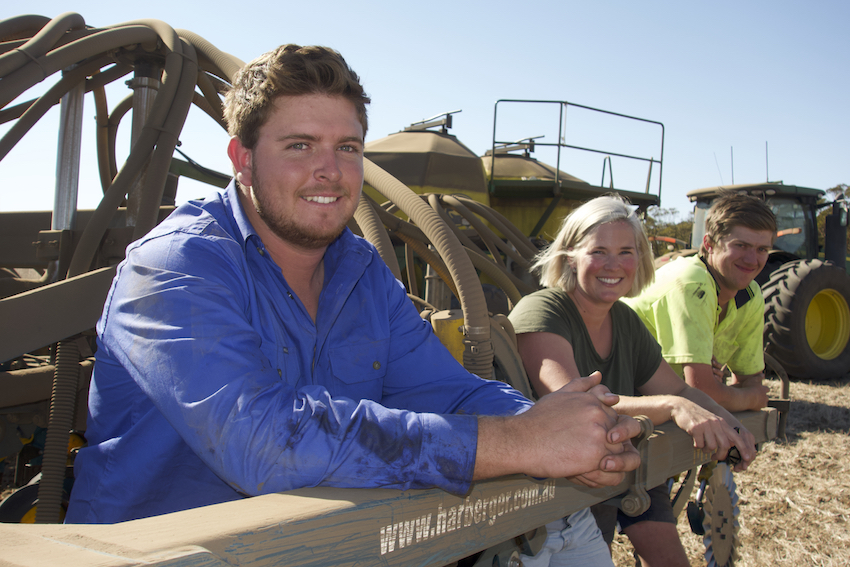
(840, 191)
(667, 223)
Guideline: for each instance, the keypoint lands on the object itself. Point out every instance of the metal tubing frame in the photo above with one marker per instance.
(565, 104)
(68, 159)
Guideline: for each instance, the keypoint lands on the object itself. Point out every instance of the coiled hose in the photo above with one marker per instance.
(65, 43)
(62, 405)
(478, 354)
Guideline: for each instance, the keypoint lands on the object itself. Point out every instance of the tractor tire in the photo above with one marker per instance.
(807, 319)
(21, 506)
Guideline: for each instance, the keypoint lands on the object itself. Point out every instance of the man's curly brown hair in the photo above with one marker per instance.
(289, 70)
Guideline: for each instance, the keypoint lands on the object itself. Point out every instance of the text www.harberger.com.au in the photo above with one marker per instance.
(465, 514)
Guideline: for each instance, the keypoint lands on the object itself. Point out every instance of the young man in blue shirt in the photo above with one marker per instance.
(252, 344)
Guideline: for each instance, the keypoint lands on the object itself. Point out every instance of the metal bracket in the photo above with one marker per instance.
(52, 244)
(444, 123)
(636, 501)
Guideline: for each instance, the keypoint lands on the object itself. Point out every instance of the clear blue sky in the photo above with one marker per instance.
(724, 77)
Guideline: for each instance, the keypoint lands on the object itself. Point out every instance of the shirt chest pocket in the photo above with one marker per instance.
(725, 348)
(359, 369)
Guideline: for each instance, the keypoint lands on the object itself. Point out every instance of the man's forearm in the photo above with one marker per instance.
(747, 397)
(704, 400)
(565, 434)
(731, 399)
(745, 380)
(499, 442)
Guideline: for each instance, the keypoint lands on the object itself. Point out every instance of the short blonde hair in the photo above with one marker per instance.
(553, 263)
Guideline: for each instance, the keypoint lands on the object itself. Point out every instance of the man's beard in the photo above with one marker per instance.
(306, 237)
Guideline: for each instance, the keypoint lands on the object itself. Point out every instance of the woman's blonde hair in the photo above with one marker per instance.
(553, 263)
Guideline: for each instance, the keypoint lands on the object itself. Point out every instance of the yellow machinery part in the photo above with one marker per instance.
(448, 326)
(828, 324)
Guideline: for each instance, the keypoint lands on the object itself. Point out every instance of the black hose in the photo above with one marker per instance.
(434, 201)
(489, 237)
(62, 405)
(494, 272)
(433, 260)
(410, 266)
(113, 120)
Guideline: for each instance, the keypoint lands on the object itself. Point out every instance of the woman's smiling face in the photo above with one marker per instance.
(605, 263)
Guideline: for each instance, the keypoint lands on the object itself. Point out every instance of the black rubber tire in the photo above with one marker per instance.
(810, 292)
(775, 260)
(20, 505)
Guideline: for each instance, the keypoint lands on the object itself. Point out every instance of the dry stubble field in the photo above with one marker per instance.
(795, 497)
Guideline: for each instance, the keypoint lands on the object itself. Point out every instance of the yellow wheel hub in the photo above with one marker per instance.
(828, 324)
(29, 517)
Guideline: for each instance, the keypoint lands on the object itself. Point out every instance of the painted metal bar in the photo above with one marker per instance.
(344, 527)
(54, 312)
(68, 158)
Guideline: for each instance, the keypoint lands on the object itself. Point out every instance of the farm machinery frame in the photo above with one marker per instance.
(56, 267)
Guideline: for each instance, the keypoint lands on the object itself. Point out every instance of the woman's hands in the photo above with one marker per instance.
(713, 433)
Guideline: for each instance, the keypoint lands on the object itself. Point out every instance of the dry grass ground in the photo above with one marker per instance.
(795, 497)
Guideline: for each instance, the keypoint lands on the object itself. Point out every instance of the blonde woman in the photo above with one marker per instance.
(576, 326)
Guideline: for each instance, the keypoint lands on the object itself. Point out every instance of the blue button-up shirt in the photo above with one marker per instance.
(212, 381)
